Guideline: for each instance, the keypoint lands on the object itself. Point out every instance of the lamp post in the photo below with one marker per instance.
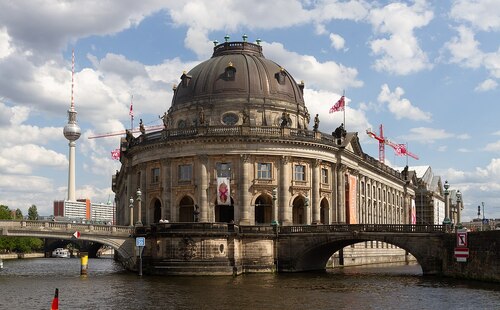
(484, 219)
(447, 220)
(459, 207)
(139, 200)
(131, 205)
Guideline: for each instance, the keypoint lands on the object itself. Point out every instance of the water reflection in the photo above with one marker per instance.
(29, 284)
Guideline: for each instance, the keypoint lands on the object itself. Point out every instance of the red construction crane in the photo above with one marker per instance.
(381, 142)
(400, 149)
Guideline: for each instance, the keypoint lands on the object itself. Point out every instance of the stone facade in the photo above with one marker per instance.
(241, 116)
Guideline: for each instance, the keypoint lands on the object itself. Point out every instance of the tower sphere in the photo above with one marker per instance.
(72, 131)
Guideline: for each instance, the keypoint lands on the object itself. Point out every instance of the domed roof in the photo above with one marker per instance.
(238, 70)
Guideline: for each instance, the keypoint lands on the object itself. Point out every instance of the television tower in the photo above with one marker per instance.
(72, 133)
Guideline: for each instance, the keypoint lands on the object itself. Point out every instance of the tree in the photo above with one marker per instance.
(32, 213)
(19, 214)
(5, 213)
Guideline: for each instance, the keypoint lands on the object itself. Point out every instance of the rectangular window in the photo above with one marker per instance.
(300, 173)
(155, 175)
(185, 172)
(324, 176)
(224, 170)
(264, 171)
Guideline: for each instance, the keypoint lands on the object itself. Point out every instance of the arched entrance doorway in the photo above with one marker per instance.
(224, 213)
(298, 210)
(186, 209)
(324, 212)
(156, 211)
(263, 209)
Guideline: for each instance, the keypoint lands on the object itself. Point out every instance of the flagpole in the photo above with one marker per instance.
(131, 113)
(343, 95)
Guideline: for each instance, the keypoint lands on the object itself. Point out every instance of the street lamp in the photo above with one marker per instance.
(459, 207)
(131, 205)
(447, 220)
(139, 200)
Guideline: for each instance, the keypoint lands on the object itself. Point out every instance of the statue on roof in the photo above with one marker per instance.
(340, 132)
(141, 127)
(316, 123)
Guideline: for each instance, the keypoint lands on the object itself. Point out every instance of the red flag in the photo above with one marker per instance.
(55, 301)
(131, 112)
(339, 106)
(115, 154)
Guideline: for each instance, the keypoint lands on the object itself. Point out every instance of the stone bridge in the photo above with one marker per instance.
(305, 248)
(118, 237)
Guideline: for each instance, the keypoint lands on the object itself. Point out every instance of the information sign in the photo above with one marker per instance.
(140, 242)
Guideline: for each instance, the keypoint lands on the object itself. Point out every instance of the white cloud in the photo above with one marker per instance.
(486, 85)
(326, 75)
(400, 52)
(482, 14)
(50, 26)
(5, 47)
(465, 51)
(427, 135)
(493, 147)
(319, 102)
(337, 42)
(401, 107)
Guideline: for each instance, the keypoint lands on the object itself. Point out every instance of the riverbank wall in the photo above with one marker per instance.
(21, 255)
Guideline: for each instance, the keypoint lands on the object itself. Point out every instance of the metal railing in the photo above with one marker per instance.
(390, 228)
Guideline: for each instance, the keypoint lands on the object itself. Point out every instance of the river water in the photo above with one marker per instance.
(30, 284)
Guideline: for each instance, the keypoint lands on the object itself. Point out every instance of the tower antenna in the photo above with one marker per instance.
(72, 133)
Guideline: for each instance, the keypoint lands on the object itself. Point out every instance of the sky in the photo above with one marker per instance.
(429, 71)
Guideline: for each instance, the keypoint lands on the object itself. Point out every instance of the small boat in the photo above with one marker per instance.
(61, 253)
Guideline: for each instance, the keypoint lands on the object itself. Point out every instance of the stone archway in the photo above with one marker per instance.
(186, 209)
(263, 209)
(156, 211)
(224, 213)
(299, 211)
(324, 212)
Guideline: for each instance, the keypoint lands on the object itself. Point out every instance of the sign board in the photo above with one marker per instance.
(140, 241)
(76, 234)
(462, 252)
(461, 238)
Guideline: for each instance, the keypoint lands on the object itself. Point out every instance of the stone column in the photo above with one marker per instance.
(284, 192)
(244, 205)
(130, 194)
(144, 213)
(315, 198)
(203, 187)
(166, 184)
(340, 193)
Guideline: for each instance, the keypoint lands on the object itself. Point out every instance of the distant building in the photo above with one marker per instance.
(429, 196)
(84, 209)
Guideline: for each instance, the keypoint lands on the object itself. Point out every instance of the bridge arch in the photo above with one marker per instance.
(117, 237)
(309, 253)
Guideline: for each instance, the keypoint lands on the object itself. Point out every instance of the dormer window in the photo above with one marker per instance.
(280, 76)
(230, 72)
(185, 79)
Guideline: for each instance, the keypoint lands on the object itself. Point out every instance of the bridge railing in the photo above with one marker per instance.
(66, 226)
(187, 226)
(362, 228)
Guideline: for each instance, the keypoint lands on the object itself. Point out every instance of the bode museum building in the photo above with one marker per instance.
(239, 146)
